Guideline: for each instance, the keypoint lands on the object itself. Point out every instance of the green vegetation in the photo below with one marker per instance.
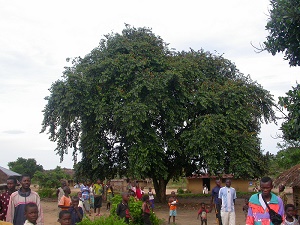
(47, 193)
(103, 220)
(25, 166)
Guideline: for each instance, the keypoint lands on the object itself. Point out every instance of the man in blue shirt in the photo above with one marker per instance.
(227, 196)
(215, 201)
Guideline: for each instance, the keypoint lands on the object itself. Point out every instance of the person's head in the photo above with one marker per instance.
(79, 194)
(67, 190)
(173, 194)
(75, 201)
(150, 189)
(125, 196)
(64, 217)
(281, 188)
(228, 182)
(246, 201)
(98, 181)
(145, 198)
(25, 181)
(31, 212)
(11, 183)
(266, 185)
(203, 205)
(218, 183)
(289, 210)
(63, 183)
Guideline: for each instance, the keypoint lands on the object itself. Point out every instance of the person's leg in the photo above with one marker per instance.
(170, 215)
(225, 218)
(202, 221)
(99, 204)
(218, 214)
(231, 218)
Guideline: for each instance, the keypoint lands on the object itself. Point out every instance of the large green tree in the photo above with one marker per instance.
(283, 27)
(25, 166)
(134, 107)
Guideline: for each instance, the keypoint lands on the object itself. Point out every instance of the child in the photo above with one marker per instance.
(289, 215)
(123, 208)
(64, 217)
(92, 198)
(151, 198)
(76, 212)
(146, 210)
(109, 195)
(81, 200)
(65, 201)
(246, 207)
(173, 206)
(31, 213)
(203, 214)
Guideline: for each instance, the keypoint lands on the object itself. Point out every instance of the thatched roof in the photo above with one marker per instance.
(289, 177)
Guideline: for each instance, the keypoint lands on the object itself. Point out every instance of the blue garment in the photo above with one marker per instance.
(85, 190)
(74, 215)
(228, 195)
(215, 194)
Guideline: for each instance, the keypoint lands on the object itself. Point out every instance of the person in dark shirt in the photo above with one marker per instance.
(215, 201)
(76, 212)
(123, 208)
(5, 196)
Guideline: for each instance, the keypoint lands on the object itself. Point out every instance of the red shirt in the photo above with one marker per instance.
(4, 200)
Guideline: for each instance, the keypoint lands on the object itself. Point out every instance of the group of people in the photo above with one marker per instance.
(263, 208)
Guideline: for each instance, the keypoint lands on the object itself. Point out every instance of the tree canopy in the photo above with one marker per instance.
(25, 166)
(283, 28)
(133, 107)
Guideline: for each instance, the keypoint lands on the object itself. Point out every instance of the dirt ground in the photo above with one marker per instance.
(186, 210)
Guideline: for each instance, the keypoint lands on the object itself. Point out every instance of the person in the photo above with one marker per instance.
(142, 191)
(246, 207)
(11, 184)
(81, 200)
(31, 213)
(151, 198)
(202, 213)
(173, 206)
(227, 196)
(109, 195)
(76, 212)
(123, 208)
(282, 194)
(18, 201)
(289, 215)
(64, 217)
(205, 189)
(146, 210)
(60, 191)
(85, 190)
(98, 192)
(92, 197)
(215, 203)
(65, 201)
(258, 212)
(138, 191)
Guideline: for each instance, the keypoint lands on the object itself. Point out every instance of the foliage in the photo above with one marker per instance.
(283, 27)
(131, 105)
(46, 193)
(135, 208)
(103, 220)
(25, 166)
(50, 178)
(291, 102)
(289, 155)
(180, 191)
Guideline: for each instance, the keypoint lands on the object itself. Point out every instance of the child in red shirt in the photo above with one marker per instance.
(203, 214)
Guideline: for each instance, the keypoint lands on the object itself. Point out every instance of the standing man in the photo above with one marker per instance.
(258, 212)
(282, 194)
(85, 190)
(4, 197)
(227, 196)
(18, 201)
(215, 201)
(98, 189)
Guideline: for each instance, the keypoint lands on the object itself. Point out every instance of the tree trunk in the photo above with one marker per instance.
(160, 186)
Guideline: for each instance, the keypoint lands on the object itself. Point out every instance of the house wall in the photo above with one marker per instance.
(296, 198)
(195, 185)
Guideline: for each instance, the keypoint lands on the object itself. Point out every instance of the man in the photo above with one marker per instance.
(85, 190)
(282, 194)
(98, 189)
(18, 201)
(215, 201)
(11, 183)
(258, 212)
(227, 196)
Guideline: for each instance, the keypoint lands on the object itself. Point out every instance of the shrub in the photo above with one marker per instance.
(180, 191)
(102, 221)
(46, 193)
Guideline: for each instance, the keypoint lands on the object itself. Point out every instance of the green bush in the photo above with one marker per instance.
(180, 191)
(46, 193)
(135, 208)
(102, 221)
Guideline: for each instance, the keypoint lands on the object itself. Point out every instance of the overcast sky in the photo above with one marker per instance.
(37, 36)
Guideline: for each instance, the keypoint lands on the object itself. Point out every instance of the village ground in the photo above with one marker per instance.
(187, 211)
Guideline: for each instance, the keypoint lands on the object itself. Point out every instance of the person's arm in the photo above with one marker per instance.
(250, 218)
(118, 209)
(10, 211)
(57, 192)
(40, 219)
(234, 196)
(198, 214)
(220, 196)
(77, 210)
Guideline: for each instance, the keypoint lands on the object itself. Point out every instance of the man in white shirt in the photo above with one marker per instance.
(227, 196)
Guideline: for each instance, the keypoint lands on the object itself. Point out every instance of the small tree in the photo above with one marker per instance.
(25, 166)
(50, 178)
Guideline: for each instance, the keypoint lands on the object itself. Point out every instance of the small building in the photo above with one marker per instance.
(4, 174)
(291, 178)
(196, 183)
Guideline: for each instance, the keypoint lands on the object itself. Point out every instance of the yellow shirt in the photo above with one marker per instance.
(98, 189)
